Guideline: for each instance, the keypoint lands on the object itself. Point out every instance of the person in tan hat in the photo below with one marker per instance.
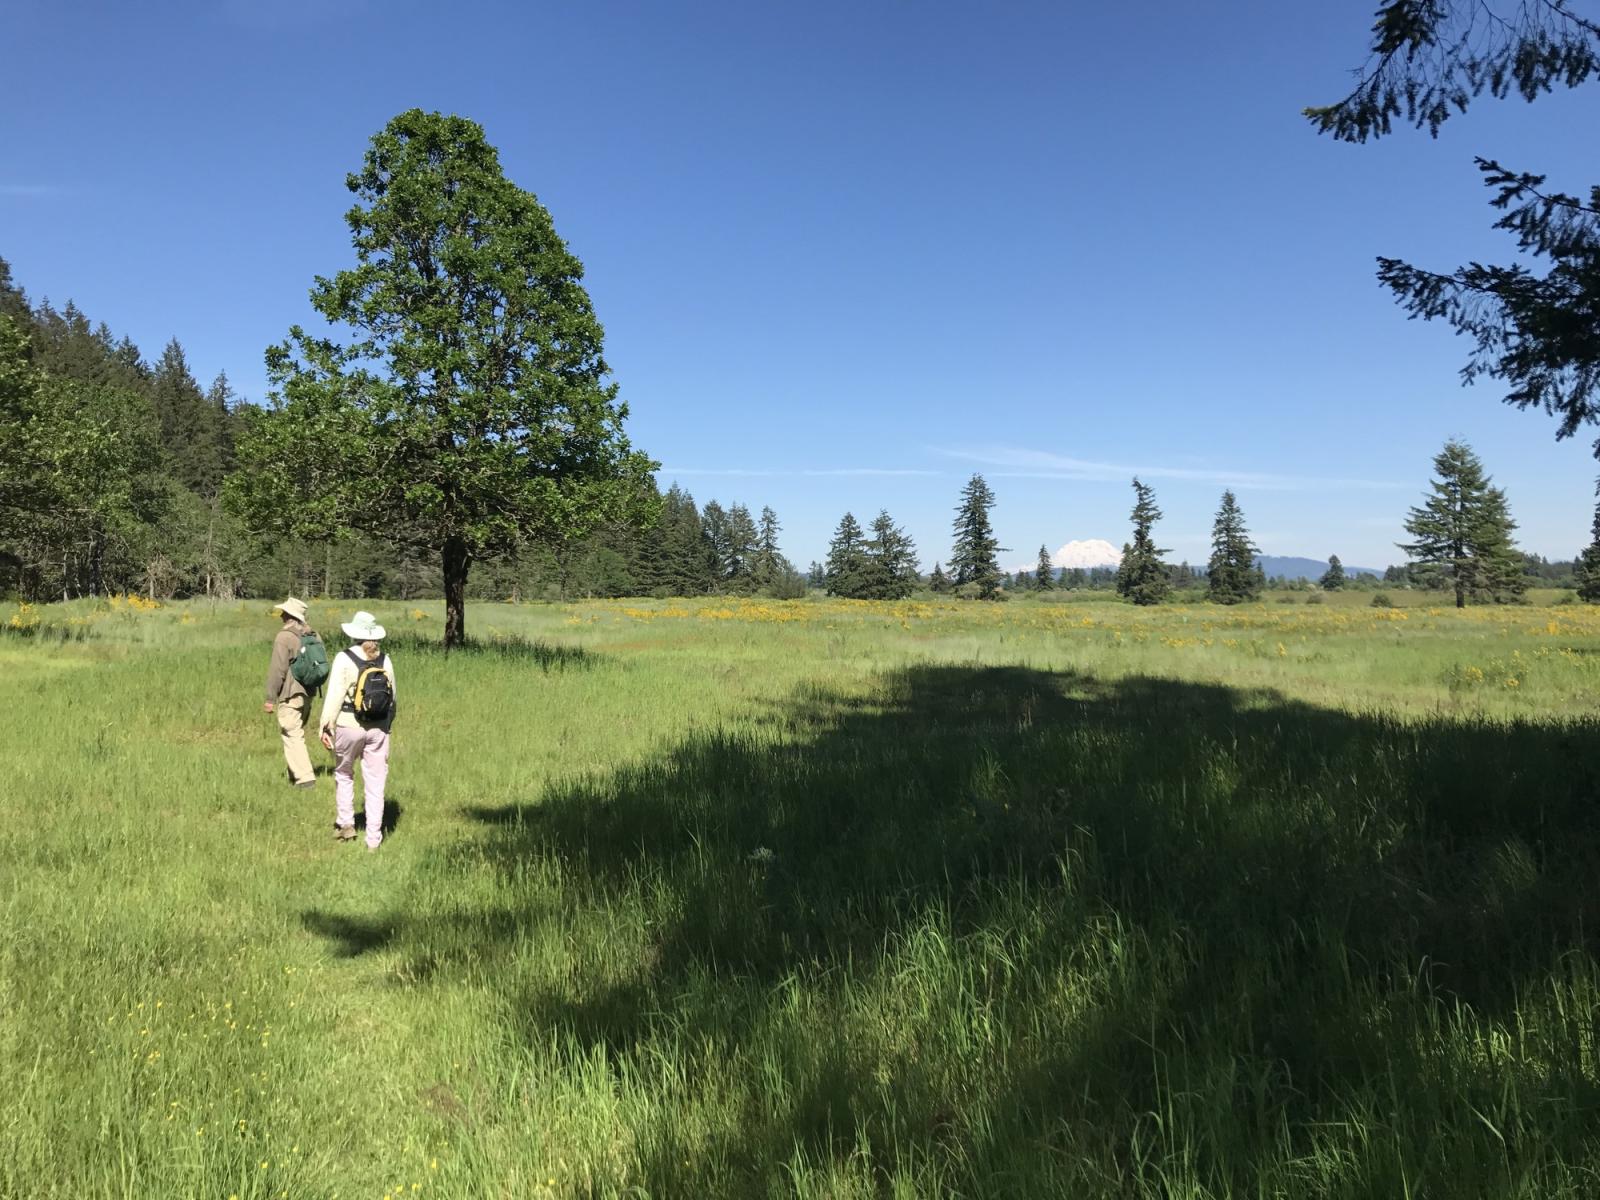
(293, 677)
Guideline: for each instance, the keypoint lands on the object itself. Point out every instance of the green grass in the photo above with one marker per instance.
(825, 899)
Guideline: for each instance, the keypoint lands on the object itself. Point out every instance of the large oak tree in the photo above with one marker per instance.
(468, 410)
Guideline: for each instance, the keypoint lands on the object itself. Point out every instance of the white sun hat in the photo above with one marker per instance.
(295, 608)
(363, 627)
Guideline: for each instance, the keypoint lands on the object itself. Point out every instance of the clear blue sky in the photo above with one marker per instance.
(848, 252)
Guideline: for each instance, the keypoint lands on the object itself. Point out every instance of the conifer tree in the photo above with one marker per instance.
(1231, 574)
(743, 542)
(1463, 529)
(1530, 321)
(817, 576)
(1333, 578)
(190, 438)
(1142, 576)
(714, 522)
(891, 561)
(938, 581)
(973, 558)
(1044, 577)
(770, 563)
(847, 560)
(1586, 571)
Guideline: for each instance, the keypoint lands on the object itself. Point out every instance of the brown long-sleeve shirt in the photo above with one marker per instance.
(281, 683)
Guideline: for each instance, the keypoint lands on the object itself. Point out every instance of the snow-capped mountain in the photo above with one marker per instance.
(1095, 552)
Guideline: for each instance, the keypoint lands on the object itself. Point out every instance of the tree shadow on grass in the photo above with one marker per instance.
(547, 656)
(1024, 932)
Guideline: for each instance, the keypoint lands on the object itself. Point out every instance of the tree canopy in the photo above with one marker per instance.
(469, 412)
(1538, 333)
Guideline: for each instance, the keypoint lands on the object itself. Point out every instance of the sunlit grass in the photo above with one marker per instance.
(820, 899)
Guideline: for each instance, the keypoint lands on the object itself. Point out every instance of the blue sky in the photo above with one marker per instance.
(848, 253)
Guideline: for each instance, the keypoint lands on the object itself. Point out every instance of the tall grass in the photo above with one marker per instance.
(816, 900)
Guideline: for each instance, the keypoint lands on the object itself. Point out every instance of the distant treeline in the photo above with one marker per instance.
(111, 480)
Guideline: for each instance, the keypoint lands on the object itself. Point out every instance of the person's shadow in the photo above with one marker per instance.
(392, 812)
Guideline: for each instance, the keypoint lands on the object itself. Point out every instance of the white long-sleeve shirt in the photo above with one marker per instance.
(341, 691)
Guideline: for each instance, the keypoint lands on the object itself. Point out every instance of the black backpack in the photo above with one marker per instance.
(372, 699)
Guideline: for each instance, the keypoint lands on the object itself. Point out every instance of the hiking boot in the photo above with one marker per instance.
(344, 833)
(306, 783)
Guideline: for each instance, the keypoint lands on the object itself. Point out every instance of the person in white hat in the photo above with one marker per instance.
(287, 696)
(356, 718)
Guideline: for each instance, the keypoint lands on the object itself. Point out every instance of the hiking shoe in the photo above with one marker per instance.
(306, 783)
(344, 833)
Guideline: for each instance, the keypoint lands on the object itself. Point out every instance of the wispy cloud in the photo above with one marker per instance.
(30, 191)
(1019, 463)
(798, 473)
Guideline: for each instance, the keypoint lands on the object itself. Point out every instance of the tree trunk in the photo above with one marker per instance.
(457, 561)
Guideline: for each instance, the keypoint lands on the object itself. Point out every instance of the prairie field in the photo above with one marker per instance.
(813, 899)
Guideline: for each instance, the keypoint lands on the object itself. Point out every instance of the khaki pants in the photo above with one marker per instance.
(293, 716)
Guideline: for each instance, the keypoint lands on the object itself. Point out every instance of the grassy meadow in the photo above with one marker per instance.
(813, 899)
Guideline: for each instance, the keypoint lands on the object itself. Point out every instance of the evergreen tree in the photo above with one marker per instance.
(190, 439)
(220, 404)
(1586, 572)
(890, 571)
(817, 576)
(1463, 529)
(1428, 61)
(938, 582)
(1142, 577)
(973, 558)
(1333, 578)
(1231, 574)
(14, 301)
(743, 543)
(770, 563)
(847, 560)
(714, 523)
(1044, 578)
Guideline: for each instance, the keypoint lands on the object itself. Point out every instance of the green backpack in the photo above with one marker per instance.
(310, 663)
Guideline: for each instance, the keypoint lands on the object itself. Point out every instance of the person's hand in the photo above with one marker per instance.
(327, 739)
(267, 707)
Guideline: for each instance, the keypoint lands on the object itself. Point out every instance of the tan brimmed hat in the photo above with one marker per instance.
(295, 608)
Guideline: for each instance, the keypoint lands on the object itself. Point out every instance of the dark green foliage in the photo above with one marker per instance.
(1463, 530)
(938, 582)
(1536, 332)
(195, 439)
(890, 572)
(1431, 58)
(470, 408)
(1044, 578)
(1142, 577)
(847, 570)
(973, 559)
(817, 576)
(1333, 578)
(771, 566)
(1587, 570)
(743, 547)
(81, 478)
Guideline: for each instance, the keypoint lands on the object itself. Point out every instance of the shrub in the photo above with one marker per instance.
(1381, 600)
(1314, 598)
